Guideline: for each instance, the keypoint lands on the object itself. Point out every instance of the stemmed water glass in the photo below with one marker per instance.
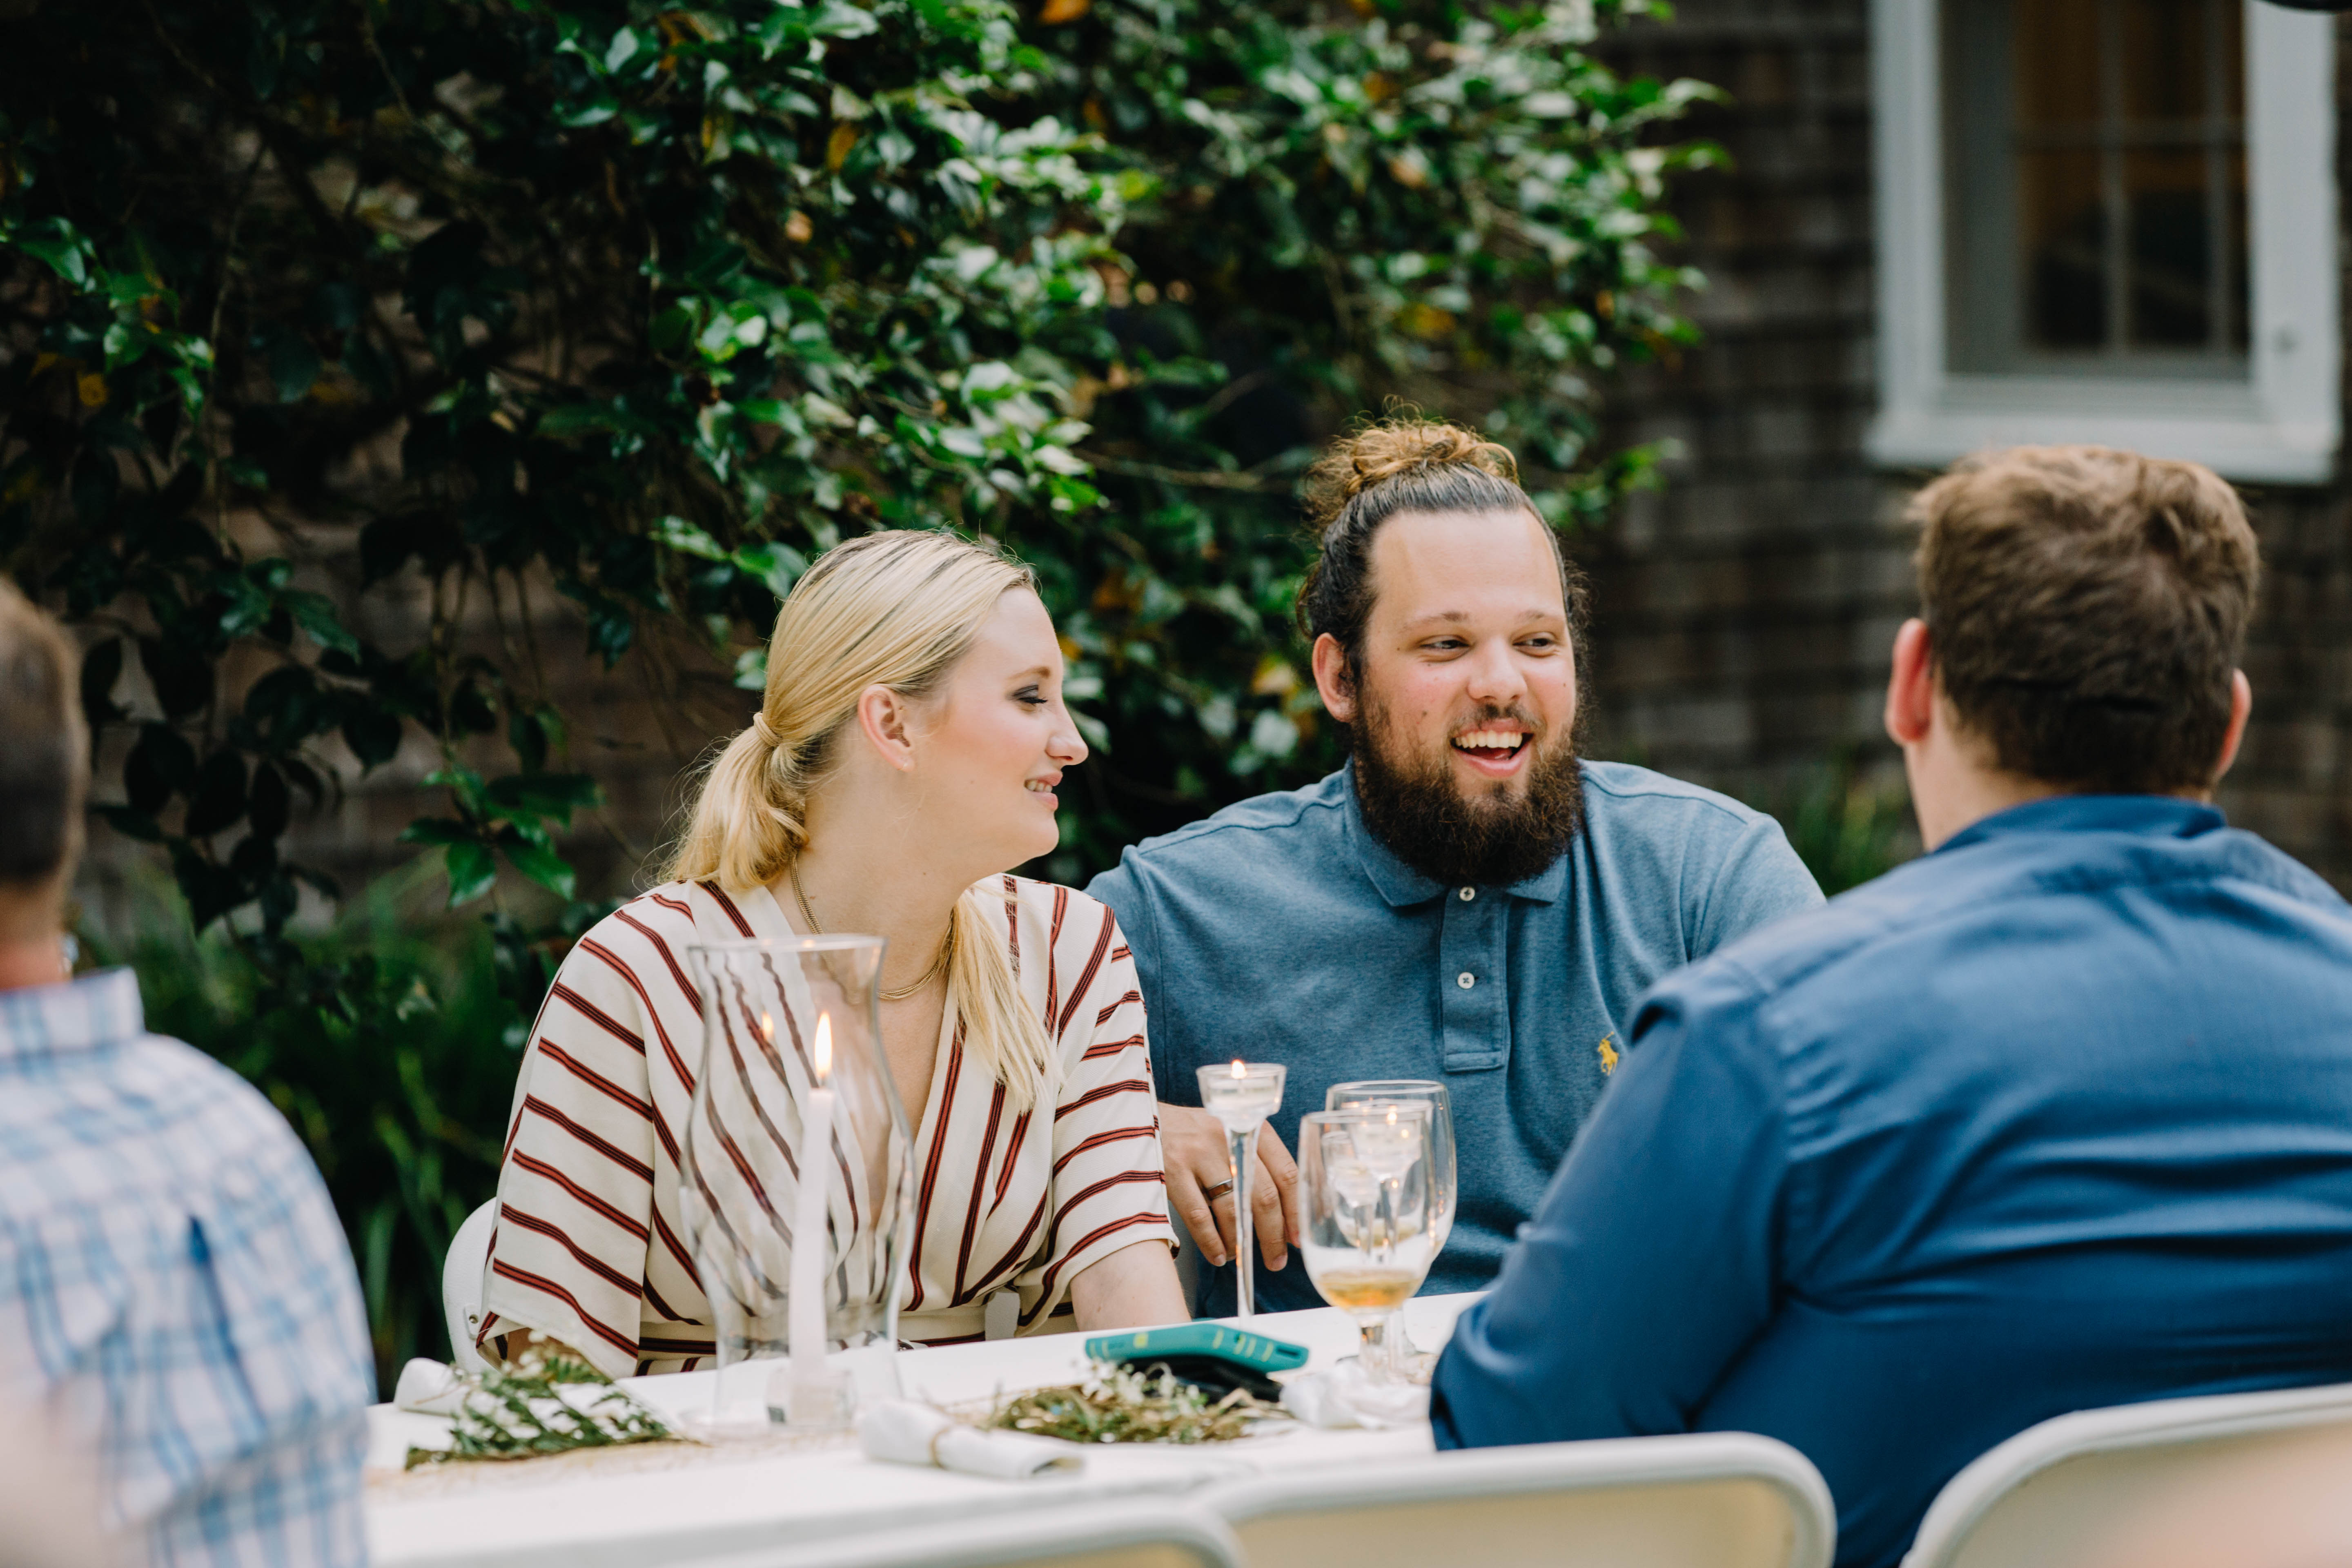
(1241, 1097)
(1372, 1094)
(1364, 1186)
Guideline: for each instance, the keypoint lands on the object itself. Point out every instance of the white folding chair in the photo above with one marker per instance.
(1725, 1500)
(2048, 1497)
(461, 1285)
(1139, 1533)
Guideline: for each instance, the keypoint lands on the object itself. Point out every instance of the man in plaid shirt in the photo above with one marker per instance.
(176, 1297)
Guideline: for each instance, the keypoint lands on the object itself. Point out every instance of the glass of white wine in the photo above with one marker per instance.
(1364, 1191)
(1371, 1094)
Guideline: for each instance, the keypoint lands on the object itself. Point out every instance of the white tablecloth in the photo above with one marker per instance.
(543, 1513)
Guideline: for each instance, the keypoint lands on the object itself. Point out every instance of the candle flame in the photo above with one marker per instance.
(823, 1051)
(767, 1028)
(1392, 1115)
(1239, 1069)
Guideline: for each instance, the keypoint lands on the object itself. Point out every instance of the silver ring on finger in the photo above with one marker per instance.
(1211, 1194)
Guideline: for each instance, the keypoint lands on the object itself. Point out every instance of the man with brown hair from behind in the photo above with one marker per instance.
(177, 1301)
(2058, 1116)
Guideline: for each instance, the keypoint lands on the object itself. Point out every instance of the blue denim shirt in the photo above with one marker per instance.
(1281, 930)
(2058, 1117)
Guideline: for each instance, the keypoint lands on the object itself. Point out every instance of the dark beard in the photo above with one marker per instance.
(1413, 805)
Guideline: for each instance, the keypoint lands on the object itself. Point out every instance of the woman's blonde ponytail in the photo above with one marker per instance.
(1001, 1028)
(897, 609)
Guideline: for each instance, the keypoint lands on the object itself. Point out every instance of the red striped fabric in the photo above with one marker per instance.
(591, 1249)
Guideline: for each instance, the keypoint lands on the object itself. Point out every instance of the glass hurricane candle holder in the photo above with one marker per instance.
(795, 1176)
(1242, 1095)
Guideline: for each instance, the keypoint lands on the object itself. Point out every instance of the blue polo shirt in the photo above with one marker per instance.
(2057, 1118)
(1280, 930)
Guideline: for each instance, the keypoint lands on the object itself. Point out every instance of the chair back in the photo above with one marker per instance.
(1139, 1533)
(461, 1285)
(2051, 1496)
(1726, 1500)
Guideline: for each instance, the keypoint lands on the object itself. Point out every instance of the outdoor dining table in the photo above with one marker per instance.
(664, 1503)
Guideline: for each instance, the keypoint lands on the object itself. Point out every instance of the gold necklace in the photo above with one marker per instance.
(938, 964)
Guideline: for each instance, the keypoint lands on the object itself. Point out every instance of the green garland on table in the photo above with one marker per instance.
(526, 1414)
(1121, 1405)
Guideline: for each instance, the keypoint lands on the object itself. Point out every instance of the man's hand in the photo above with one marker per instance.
(1200, 1160)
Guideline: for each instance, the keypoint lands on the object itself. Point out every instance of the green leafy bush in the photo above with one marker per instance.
(650, 305)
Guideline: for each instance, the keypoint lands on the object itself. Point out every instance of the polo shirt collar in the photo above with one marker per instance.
(1402, 886)
(2150, 815)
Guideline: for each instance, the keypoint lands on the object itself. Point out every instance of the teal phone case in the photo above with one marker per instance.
(1199, 1338)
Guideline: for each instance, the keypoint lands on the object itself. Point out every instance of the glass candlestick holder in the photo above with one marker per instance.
(1241, 1096)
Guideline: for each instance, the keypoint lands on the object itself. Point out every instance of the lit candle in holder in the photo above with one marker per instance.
(809, 1245)
(1241, 1096)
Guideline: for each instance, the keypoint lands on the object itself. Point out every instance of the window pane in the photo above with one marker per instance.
(2057, 63)
(2171, 263)
(2064, 234)
(2095, 199)
(2164, 59)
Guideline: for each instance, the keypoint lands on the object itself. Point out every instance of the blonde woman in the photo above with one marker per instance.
(906, 753)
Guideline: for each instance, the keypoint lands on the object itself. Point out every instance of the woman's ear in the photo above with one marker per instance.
(887, 720)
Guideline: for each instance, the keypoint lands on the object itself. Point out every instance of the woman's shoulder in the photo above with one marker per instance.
(1066, 915)
(658, 924)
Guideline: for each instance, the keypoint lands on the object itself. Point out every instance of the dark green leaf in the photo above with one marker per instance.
(181, 677)
(130, 823)
(287, 707)
(271, 803)
(544, 867)
(372, 735)
(102, 667)
(55, 241)
(161, 765)
(293, 363)
(472, 872)
(556, 795)
(316, 613)
(220, 795)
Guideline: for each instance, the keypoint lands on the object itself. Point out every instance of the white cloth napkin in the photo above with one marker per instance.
(1343, 1396)
(906, 1433)
(429, 1388)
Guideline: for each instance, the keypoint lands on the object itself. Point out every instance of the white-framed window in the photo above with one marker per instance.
(2110, 221)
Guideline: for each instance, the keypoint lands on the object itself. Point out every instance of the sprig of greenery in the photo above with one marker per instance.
(1121, 1404)
(534, 1408)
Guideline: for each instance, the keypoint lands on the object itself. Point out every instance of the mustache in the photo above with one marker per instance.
(1493, 713)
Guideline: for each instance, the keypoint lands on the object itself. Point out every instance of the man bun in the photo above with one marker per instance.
(1394, 448)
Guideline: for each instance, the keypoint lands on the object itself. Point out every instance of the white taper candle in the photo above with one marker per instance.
(809, 1245)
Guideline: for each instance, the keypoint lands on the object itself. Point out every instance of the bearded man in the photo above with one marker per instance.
(1467, 901)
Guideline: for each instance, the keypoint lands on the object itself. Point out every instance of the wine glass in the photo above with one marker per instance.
(1372, 1093)
(1364, 1189)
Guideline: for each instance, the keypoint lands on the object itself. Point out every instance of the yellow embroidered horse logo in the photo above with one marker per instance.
(1608, 1056)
